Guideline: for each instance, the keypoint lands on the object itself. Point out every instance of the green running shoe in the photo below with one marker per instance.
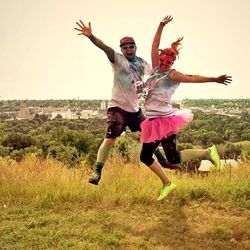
(214, 157)
(95, 178)
(165, 191)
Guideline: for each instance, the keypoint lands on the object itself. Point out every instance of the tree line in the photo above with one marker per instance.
(14, 105)
(75, 141)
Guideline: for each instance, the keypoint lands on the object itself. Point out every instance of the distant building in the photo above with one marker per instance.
(24, 111)
(103, 105)
(89, 113)
(66, 114)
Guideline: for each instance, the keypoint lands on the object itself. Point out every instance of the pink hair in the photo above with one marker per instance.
(174, 50)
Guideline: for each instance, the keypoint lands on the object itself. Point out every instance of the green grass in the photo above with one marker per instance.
(45, 205)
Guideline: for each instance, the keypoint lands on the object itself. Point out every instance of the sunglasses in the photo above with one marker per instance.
(131, 46)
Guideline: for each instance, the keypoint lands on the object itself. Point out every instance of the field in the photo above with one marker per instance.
(45, 205)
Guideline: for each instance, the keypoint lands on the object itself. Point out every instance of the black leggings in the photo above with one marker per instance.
(169, 147)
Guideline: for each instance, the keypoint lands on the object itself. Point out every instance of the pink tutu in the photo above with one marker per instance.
(162, 127)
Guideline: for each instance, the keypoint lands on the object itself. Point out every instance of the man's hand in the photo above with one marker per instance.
(224, 79)
(166, 20)
(85, 30)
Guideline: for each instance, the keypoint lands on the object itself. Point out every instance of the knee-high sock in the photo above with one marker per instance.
(102, 156)
(194, 154)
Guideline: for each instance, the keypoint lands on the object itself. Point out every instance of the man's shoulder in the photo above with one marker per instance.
(119, 60)
(120, 57)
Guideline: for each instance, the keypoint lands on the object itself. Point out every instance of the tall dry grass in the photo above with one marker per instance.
(46, 182)
(46, 205)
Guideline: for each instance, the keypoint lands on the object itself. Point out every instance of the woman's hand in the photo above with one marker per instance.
(166, 20)
(224, 79)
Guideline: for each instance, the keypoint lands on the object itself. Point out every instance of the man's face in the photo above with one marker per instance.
(165, 61)
(128, 50)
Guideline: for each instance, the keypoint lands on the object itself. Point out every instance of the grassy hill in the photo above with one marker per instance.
(45, 205)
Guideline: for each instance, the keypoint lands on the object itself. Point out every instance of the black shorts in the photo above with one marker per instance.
(119, 119)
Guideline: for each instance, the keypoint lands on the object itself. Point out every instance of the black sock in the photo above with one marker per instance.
(98, 167)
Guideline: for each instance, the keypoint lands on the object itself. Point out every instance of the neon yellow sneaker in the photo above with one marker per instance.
(214, 157)
(165, 191)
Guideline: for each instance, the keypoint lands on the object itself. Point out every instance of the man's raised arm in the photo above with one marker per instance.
(87, 31)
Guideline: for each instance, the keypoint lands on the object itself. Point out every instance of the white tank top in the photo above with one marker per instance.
(159, 100)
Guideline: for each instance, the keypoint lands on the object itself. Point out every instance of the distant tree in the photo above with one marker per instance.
(66, 154)
(245, 136)
(228, 135)
(18, 141)
(231, 151)
(58, 117)
(18, 155)
(127, 147)
(41, 117)
(245, 116)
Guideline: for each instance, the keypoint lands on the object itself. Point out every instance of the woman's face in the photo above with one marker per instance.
(165, 61)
